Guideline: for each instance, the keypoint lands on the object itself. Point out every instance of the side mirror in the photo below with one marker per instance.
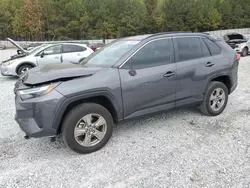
(19, 52)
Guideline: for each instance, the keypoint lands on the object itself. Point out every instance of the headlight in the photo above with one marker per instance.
(37, 91)
(9, 62)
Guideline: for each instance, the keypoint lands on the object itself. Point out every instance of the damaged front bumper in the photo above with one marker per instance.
(36, 116)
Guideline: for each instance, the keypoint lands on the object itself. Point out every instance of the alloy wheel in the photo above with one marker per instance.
(217, 99)
(90, 130)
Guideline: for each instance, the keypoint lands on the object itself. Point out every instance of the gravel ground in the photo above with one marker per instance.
(181, 148)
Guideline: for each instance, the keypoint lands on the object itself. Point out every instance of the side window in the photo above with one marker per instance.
(205, 50)
(80, 48)
(189, 48)
(214, 49)
(72, 48)
(155, 53)
(52, 50)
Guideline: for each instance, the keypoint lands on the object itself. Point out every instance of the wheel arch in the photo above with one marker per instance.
(24, 63)
(246, 47)
(224, 78)
(104, 98)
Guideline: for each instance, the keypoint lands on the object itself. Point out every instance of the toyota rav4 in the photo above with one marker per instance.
(128, 78)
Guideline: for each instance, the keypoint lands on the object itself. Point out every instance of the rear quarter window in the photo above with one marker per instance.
(205, 50)
(214, 48)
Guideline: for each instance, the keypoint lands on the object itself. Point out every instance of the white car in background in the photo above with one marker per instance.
(42, 55)
(239, 42)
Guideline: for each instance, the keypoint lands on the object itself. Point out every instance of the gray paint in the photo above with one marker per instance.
(146, 92)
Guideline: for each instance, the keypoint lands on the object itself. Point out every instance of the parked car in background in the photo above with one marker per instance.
(32, 45)
(96, 46)
(238, 42)
(128, 78)
(42, 55)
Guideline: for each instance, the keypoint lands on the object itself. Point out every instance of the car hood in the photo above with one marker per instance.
(17, 56)
(57, 72)
(235, 37)
(17, 45)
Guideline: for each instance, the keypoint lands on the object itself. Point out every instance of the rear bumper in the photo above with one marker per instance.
(36, 116)
(234, 77)
(233, 87)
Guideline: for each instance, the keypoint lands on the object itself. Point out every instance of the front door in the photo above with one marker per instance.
(148, 79)
(50, 55)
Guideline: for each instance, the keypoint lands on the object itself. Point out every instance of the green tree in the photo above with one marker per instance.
(82, 19)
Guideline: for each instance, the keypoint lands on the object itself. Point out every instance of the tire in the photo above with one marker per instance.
(208, 105)
(71, 123)
(21, 69)
(244, 52)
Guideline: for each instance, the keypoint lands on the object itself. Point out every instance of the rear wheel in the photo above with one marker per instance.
(244, 52)
(23, 69)
(215, 100)
(87, 128)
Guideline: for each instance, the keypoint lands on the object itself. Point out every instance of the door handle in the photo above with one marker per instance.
(169, 74)
(56, 57)
(209, 64)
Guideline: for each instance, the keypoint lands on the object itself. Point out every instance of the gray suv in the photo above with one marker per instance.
(128, 78)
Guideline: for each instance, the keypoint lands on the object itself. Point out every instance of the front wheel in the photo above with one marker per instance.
(215, 100)
(87, 128)
(23, 69)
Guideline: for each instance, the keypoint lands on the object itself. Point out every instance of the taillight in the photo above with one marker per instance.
(238, 56)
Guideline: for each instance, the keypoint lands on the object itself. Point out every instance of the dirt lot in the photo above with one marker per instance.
(176, 149)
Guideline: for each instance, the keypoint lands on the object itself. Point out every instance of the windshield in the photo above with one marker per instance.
(36, 49)
(110, 54)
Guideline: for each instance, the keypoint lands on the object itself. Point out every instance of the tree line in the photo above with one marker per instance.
(96, 19)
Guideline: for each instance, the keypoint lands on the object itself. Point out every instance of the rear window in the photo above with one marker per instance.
(189, 48)
(67, 48)
(214, 48)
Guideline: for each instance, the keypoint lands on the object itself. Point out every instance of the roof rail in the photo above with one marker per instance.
(172, 32)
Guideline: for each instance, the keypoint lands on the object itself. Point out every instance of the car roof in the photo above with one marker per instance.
(66, 43)
(168, 34)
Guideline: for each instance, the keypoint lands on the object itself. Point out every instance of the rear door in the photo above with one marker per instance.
(50, 55)
(73, 53)
(148, 79)
(194, 65)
